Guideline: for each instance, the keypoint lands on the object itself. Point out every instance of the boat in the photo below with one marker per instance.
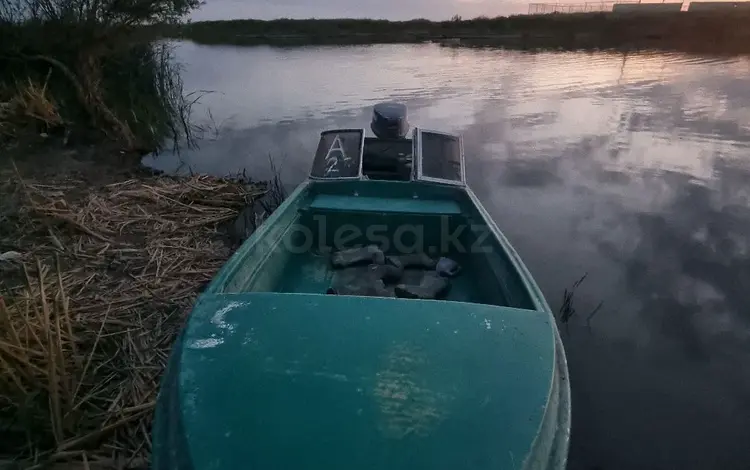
(450, 42)
(279, 367)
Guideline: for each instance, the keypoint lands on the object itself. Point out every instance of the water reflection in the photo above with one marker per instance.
(632, 168)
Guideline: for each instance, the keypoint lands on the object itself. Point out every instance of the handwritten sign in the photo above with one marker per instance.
(336, 157)
(339, 154)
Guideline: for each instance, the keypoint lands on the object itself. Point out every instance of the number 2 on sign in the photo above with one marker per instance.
(335, 155)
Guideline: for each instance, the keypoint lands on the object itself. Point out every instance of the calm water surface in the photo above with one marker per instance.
(632, 168)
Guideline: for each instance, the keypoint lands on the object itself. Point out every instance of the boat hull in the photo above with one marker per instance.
(270, 372)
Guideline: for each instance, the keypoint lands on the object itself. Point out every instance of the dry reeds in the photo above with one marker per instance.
(33, 101)
(30, 103)
(88, 316)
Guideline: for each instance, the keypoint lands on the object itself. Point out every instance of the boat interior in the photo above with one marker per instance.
(403, 195)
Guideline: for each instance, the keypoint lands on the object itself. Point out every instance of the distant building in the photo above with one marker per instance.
(718, 6)
(646, 7)
(595, 6)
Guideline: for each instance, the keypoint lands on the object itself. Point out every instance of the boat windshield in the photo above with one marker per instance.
(339, 154)
(440, 157)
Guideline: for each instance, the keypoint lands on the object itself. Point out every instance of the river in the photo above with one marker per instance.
(631, 168)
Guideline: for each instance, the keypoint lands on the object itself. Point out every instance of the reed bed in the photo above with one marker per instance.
(95, 289)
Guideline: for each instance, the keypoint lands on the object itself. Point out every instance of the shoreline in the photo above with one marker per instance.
(699, 32)
(101, 260)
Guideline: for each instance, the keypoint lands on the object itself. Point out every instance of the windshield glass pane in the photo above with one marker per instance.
(441, 156)
(339, 154)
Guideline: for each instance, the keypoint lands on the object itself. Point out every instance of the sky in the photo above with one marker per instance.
(388, 9)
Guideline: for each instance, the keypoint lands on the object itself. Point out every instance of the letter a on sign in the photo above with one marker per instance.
(335, 155)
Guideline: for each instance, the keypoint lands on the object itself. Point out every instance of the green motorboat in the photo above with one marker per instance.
(377, 320)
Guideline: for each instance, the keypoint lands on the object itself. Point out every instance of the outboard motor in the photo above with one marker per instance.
(389, 121)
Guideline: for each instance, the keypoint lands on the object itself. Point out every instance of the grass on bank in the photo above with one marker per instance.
(85, 71)
(135, 98)
(98, 287)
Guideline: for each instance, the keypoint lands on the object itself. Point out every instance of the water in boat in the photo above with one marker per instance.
(378, 319)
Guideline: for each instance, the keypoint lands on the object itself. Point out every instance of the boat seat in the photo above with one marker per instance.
(384, 204)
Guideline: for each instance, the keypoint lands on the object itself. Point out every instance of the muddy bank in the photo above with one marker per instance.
(100, 261)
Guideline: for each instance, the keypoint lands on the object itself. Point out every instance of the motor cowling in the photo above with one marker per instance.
(389, 121)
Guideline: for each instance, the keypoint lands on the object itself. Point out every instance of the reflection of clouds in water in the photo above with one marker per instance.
(457, 111)
(521, 172)
(266, 84)
(655, 208)
(645, 149)
(504, 96)
(706, 102)
(670, 346)
(690, 265)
